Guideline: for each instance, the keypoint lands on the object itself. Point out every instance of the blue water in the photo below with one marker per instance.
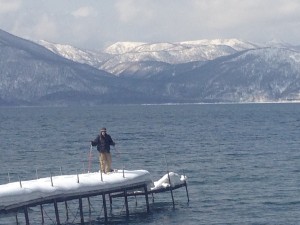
(242, 160)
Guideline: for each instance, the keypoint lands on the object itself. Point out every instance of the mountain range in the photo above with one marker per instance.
(220, 70)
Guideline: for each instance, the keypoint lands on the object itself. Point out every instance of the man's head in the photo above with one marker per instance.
(103, 130)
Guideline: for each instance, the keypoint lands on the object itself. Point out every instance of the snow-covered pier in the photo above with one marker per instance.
(20, 196)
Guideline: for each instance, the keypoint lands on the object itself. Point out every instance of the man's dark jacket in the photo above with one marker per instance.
(103, 143)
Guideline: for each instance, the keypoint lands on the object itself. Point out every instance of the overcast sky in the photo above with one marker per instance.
(94, 24)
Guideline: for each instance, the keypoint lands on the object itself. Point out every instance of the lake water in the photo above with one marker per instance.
(242, 160)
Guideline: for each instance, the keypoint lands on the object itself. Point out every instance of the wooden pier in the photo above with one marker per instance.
(124, 190)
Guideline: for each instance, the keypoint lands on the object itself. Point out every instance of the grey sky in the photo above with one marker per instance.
(94, 24)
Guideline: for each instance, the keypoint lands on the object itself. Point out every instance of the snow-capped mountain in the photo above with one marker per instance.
(122, 47)
(92, 58)
(197, 71)
(166, 53)
(123, 58)
(236, 44)
(126, 47)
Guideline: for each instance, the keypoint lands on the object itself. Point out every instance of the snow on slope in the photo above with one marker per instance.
(91, 58)
(119, 56)
(180, 52)
(138, 47)
(236, 44)
(122, 47)
(172, 53)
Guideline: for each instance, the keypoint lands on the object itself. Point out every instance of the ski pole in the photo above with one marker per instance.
(117, 151)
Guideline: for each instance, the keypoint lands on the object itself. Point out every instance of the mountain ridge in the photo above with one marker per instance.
(121, 54)
(55, 74)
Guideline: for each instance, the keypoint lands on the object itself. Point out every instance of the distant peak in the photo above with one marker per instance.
(236, 44)
(125, 47)
(122, 47)
(277, 43)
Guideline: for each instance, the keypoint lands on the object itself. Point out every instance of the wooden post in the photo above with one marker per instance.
(42, 212)
(104, 207)
(187, 193)
(171, 189)
(101, 175)
(8, 175)
(17, 221)
(81, 211)
(110, 200)
(67, 211)
(56, 212)
(51, 179)
(90, 211)
(20, 182)
(26, 215)
(36, 173)
(126, 203)
(146, 197)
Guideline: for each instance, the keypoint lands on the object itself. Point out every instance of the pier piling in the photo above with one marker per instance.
(17, 221)
(186, 189)
(110, 201)
(89, 202)
(104, 207)
(67, 211)
(146, 198)
(81, 211)
(126, 203)
(56, 212)
(42, 213)
(26, 215)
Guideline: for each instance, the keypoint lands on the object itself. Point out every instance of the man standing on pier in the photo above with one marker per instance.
(103, 142)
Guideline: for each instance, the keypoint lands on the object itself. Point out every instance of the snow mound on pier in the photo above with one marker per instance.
(175, 179)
